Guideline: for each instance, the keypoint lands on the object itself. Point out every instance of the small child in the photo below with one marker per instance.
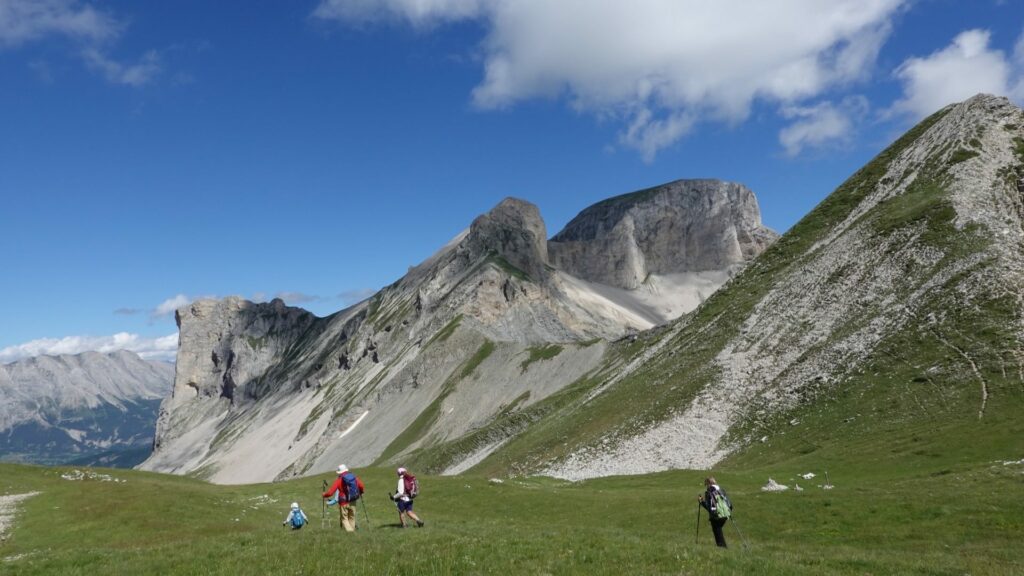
(296, 517)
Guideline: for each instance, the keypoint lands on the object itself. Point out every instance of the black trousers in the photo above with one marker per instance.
(716, 527)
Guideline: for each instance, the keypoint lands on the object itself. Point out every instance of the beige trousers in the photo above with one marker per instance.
(348, 517)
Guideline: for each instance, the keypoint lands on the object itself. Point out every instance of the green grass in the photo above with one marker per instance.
(873, 522)
(962, 155)
(445, 332)
(507, 267)
(538, 353)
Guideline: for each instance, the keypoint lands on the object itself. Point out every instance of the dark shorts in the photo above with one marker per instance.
(405, 505)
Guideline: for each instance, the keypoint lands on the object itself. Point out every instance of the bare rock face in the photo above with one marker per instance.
(264, 391)
(683, 226)
(225, 343)
(512, 230)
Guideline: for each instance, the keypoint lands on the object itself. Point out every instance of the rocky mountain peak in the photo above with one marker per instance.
(515, 231)
(682, 226)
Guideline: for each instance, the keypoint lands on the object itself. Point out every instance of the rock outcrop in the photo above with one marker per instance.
(56, 409)
(683, 226)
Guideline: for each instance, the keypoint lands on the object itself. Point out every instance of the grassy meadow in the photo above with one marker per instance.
(963, 520)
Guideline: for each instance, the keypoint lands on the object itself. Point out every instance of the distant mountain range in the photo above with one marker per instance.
(86, 408)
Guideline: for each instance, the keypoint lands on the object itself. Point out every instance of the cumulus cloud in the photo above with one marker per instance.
(92, 30)
(822, 124)
(659, 66)
(162, 348)
(957, 72)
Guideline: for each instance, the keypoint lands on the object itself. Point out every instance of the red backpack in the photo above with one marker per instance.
(412, 487)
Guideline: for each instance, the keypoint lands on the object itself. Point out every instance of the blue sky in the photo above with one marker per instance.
(156, 152)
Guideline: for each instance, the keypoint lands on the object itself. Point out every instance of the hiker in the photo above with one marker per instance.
(408, 488)
(296, 517)
(348, 489)
(719, 507)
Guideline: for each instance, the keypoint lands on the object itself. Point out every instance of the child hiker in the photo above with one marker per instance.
(296, 517)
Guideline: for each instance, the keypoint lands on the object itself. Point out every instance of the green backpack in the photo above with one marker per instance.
(720, 506)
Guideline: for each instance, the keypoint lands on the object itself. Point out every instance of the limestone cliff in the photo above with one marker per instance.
(683, 226)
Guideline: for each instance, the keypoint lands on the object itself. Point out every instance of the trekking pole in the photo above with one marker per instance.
(365, 514)
(696, 536)
(323, 507)
(742, 538)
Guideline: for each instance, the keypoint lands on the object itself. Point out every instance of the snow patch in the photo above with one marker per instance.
(354, 424)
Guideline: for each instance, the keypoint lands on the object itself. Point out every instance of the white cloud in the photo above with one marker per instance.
(162, 348)
(957, 72)
(358, 295)
(138, 74)
(297, 297)
(167, 307)
(659, 66)
(415, 12)
(822, 124)
(24, 21)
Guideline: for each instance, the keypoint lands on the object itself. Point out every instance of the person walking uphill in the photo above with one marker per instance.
(716, 502)
(348, 489)
(408, 488)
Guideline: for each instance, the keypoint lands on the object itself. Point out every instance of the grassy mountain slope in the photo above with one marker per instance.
(885, 325)
(870, 523)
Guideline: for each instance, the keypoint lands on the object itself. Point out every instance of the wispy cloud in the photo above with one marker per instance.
(824, 124)
(655, 66)
(161, 348)
(24, 21)
(138, 74)
(358, 295)
(129, 311)
(167, 307)
(297, 297)
(93, 31)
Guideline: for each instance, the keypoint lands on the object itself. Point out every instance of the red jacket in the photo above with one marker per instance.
(339, 484)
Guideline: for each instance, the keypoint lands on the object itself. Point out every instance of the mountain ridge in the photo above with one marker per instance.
(455, 335)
